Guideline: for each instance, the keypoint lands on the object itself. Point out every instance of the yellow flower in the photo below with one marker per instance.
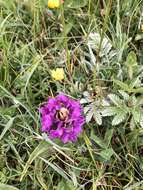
(58, 74)
(53, 4)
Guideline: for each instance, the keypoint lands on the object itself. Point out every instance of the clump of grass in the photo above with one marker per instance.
(99, 47)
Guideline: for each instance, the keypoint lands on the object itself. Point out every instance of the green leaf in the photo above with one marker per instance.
(107, 153)
(136, 115)
(7, 127)
(108, 136)
(57, 169)
(135, 186)
(76, 4)
(42, 147)
(39, 173)
(89, 115)
(130, 72)
(67, 29)
(136, 82)
(119, 118)
(98, 117)
(98, 140)
(141, 121)
(138, 37)
(64, 185)
(115, 99)
(16, 101)
(28, 74)
(133, 102)
(132, 124)
(131, 63)
(109, 111)
(7, 187)
(122, 85)
(124, 95)
(137, 90)
(131, 59)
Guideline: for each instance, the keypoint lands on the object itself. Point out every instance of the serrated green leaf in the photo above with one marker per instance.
(109, 111)
(136, 82)
(119, 118)
(115, 99)
(127, 88)
(122, 85)
(86, 109)
(89, 115)
(136, 115)
(134, 101)
(124, 95)
(98, 117)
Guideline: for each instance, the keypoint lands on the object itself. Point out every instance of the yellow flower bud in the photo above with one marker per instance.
(58, 74)
(53, 4)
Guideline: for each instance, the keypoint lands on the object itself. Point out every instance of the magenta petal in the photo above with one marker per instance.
(62, 98)
(51, 103)
(59, 124)
(46, 123)
(73, 138)
(56, 133)
(77, 129)
(65, 138)
(76, 113)
(43, 110)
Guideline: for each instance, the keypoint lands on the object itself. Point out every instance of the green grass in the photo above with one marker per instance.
(101, 55)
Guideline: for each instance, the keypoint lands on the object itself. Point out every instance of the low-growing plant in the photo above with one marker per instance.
(89, 52)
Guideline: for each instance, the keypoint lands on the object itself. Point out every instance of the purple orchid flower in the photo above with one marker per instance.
(61, 117)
